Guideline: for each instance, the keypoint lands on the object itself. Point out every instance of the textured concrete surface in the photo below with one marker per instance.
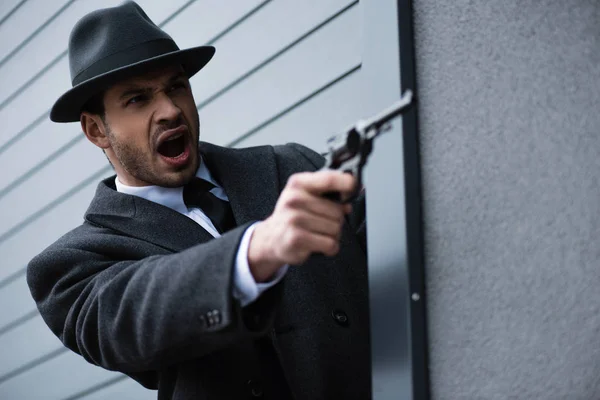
(510, 123)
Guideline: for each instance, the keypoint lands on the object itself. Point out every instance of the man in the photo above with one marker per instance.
(200, 271)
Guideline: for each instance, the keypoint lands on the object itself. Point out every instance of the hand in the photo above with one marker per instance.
(302, 223)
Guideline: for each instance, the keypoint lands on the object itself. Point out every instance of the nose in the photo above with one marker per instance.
(166, 110)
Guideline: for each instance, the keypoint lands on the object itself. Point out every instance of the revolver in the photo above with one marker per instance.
(350, 151)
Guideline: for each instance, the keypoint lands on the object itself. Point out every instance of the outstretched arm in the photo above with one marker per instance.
(131, 314)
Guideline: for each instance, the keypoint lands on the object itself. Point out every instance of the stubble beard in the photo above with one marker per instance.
(140, 167)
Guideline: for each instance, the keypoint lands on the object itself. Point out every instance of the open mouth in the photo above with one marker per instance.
(173, 147)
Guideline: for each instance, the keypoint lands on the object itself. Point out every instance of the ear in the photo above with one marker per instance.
(95, 130)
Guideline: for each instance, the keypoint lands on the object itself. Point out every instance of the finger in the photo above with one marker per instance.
(315, 224)
(325, 245)
(323, 181)
(304, 242)
(315, 204)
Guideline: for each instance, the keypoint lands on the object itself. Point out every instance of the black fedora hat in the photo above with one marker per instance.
(111, 44)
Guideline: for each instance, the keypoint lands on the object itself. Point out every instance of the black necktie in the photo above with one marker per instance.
(197, 194)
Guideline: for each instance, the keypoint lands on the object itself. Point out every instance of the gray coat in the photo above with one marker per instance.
(144, 290)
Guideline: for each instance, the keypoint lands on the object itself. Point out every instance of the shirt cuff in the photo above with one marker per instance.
(245, 288)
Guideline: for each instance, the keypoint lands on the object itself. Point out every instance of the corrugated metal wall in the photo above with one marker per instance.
(285, 70)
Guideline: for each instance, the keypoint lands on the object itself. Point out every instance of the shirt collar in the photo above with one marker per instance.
(168, 197)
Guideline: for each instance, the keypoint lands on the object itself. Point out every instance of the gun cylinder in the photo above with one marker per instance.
(343, 147)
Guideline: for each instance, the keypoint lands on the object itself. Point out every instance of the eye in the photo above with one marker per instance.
(136, 99)
(178, 86)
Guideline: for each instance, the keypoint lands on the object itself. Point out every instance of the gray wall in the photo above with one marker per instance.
(284, 70)
(510, 119)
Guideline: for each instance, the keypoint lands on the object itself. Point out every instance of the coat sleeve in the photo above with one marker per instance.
(133, 314)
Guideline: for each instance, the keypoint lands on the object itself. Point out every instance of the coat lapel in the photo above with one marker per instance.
(249, 177)
(143, 219)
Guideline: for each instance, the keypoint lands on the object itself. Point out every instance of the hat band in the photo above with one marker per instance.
(130, 56)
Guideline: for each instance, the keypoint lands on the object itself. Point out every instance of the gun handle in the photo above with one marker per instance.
(337, 196)
(333, 196)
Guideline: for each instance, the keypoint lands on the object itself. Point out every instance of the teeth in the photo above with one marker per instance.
(177, 136)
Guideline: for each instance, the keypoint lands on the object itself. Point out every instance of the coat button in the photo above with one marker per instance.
(210, 319)
(255, 389)
(340, 317)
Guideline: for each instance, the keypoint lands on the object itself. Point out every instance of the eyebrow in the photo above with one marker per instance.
(136, 90)
(177, 76)
(133, 91)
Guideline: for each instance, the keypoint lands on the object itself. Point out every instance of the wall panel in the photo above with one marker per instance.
(329, 112)
(16, 301)
(331, 50)
(17, 247)
(8, 8)
(28, 342)
(24, 23)
(57, 378)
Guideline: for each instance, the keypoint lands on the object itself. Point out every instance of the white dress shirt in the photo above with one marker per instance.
(245, 288)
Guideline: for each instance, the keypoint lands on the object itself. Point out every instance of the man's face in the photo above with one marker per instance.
(153, 128)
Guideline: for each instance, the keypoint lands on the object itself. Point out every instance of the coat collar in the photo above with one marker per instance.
(248, 176)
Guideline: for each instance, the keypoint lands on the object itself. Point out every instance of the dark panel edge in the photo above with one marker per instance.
(413, 204)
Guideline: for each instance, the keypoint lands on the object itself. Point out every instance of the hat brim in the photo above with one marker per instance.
(68, 106)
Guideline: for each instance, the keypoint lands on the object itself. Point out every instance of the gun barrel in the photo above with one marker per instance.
(389, 113)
